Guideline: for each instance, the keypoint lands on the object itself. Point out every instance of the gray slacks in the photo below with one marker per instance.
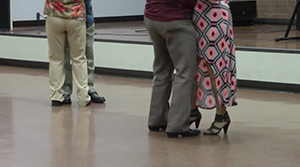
(174, 45)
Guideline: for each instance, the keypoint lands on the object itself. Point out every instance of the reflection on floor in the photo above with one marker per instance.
(258, 35)
(264, 130)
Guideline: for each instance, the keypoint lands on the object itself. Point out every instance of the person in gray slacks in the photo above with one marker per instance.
(174, 41)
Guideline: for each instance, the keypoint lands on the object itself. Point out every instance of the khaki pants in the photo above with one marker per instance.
(174, 45)
(58, 30)
(68, 86)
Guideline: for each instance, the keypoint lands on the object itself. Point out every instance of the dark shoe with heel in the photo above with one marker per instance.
(67, 100)
(95, 98)
(157, 128)
(195, 117)
(220, 122)
(189, 133)
(56, 103)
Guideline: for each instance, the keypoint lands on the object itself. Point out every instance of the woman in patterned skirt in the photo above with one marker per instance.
(217, 64)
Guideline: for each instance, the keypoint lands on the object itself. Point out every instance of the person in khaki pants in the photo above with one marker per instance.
(66, 20)
(68, 85)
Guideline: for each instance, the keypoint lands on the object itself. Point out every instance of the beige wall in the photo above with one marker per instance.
(251, 65)
(275, 9)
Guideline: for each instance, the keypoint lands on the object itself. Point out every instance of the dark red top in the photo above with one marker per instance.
(169, 10)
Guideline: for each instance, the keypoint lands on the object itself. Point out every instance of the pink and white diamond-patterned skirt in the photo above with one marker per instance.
(215, 45)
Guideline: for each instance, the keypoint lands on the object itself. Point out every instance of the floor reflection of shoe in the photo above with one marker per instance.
(95, 98)
(67, 99)
(56, 103)
(189, 133)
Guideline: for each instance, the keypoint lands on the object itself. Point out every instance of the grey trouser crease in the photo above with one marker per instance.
(174, 45)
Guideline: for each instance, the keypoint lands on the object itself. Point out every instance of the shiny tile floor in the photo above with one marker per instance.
(257, 35)
(265, 129)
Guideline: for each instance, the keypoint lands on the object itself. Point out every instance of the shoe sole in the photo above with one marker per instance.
(94, 101)
(56, 104)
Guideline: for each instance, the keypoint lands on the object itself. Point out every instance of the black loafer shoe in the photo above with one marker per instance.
(56, 103)
(95, 98)
(157, 128)
(189, 133)
(67, 99)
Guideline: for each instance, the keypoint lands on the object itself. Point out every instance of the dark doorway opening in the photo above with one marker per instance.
(5, 15)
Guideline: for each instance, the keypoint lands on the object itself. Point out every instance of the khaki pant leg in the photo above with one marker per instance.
(76, 34)
(55, 28)
(68, 84)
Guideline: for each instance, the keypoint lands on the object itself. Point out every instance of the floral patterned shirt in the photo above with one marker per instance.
(67, 9)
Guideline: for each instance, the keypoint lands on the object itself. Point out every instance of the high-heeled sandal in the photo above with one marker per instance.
(195, 116)
(220, 122)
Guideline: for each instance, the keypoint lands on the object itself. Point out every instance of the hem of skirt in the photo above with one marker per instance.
(210, 108)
